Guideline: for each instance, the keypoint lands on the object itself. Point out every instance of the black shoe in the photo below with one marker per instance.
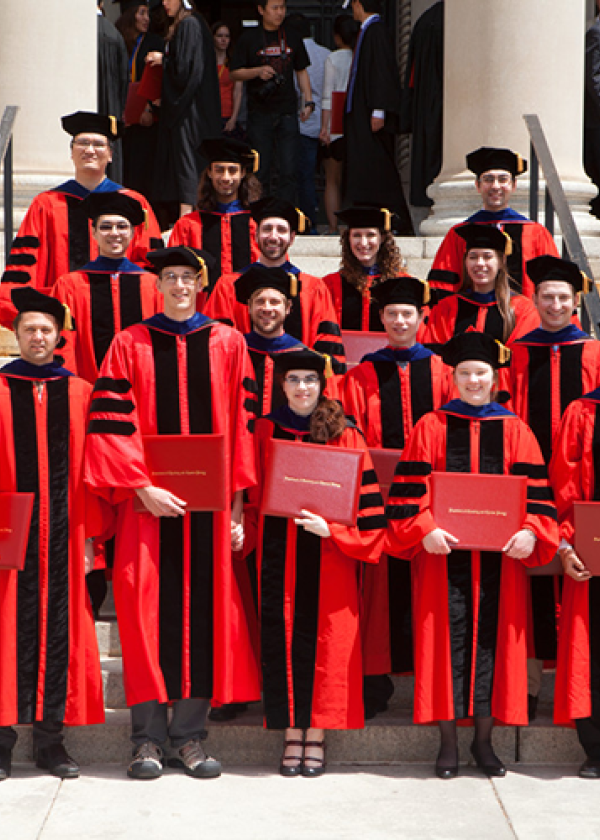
(493, 768)
(311, 771)
(57, 761)
(147, 762)
(192, 759)
(446, 772)
(5, 763)
(228, 712)
(532, 704)
(590, 769)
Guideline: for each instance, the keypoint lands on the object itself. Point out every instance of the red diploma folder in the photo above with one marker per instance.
(338, 105)
(307, 476)
(190, 466)
(385, 461)
(358, 343)
(15, 519)
(135, 104)
(151, 82)
(587, 534)
(483, 511)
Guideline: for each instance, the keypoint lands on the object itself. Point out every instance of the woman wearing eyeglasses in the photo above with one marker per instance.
(309, 577)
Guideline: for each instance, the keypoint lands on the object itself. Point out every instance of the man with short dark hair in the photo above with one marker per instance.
(49, 658)
(267, 57)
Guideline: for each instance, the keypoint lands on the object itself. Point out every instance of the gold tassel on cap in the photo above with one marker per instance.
(587, 283)
(503, 353)
(255, 161)
(508, 249)
(426, 292)
(328, 366)
(113, 125)
(301, 221)
(293, 284)
(387, 224)
(145, 210)
(203, 274)
(68, 320)
(520, 164)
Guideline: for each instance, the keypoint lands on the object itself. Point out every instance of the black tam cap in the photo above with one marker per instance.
(84, 122)
(485, 236)
(364, 216)
(27, 299)
(113, 204)
(474, 346)
(547, 267)
(408, 290)
(199, 260)
(260, 277)
(302, 359)
(230, 150)
(487, 157)
(276, 208)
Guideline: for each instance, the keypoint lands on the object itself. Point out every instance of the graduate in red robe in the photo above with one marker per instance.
(183, 628)
(312, 318)
(496, 172)
(110, 293)
(309, 572)
(574, 471)
(49, 662)
(55, 236)
(550, 367)
(484, 301)
(222, 224)
(470, 607)
(386, 394)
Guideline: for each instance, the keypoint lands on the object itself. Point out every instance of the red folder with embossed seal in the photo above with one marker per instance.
(307, 476)
(482, 511)
(190, 466)
(15, 519)
(587, 534)
(385, 462)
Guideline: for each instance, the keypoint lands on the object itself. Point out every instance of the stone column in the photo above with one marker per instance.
(503, 60)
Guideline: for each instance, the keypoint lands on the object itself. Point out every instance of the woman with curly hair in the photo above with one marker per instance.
(369, 256)
(309, 578)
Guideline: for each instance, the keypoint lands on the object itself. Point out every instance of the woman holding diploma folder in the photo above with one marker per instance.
(309, 578)
(470, 607)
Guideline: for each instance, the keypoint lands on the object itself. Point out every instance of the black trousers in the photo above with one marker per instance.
(588, 732)
(149, 722)
(45, 733)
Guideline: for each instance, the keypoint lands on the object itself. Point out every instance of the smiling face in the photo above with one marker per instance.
(179, 286)
(226, 178)
(496, 188)
(142, 19)
(365, 244)
(482, 265)
(475, 380)
(555, 301)
(37, 335)
(268, 309)
(91, 154)
(401, 322)
(113, 235)
(274, 237)
(302, 389)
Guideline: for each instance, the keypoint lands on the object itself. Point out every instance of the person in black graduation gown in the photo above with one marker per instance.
(423, 102)
(112, 83)
(190, 105)
(371, 119)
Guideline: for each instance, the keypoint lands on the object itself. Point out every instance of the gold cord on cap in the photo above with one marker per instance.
(145, 211)
(293, 284)
(113, 125)
(387, 225)
(301, 221)
(202, 269)
(503, 352)
(255, 160)
(328, 372)
(68, 325)
(426, 291)
(508, 246)
(520, 164)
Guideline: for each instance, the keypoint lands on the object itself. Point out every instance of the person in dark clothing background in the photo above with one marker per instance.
(112, 83)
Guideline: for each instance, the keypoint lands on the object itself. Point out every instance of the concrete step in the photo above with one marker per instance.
(107, 633)
(389, 739)
(112, 682)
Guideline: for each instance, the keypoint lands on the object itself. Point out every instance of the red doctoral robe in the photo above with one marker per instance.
(470, 608)
(49, 662)
(386, 399)
(309, 601)
(102, 304)
(184, 632)
(312, 318)
(574, 472)
(228, 237)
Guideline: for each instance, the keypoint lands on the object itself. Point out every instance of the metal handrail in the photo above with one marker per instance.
(6, 157)
(555, 202)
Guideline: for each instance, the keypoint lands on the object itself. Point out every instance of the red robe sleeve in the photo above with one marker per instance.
(566, 466)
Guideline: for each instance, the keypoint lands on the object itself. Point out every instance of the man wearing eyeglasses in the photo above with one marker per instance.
(184, 631)
(496, 172)
(55, 235)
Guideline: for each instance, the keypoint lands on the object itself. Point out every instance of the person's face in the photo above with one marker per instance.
(142, 19)
(401, 322)
(273, 13)
(179, 286)
(365, 244)
(302, 389)
(90, 153)
(555, 301)
(482, 266)
(496, 188)
(474, 380)
(222, 38)
(37, 335)
(171, 7)
(226, 178)
(357, 10)
(113, 235)
(268, 309)
(274, 237)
